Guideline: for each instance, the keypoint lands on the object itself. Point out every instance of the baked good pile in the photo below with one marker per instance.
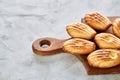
(91, 39)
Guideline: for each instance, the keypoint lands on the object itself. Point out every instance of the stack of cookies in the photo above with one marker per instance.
(91, 39)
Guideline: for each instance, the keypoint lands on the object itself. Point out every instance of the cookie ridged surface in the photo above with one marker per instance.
(78, 46)
(80, 30)
(97, 21)
(116, 27)
(104, 58)
(107, 40)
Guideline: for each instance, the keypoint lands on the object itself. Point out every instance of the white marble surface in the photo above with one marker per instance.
(23, 21)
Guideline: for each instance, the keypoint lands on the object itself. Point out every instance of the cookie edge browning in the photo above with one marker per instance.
(69, 50)
(92, 63)
(94, 26)
(116, 27)
(92, 35)
(98, 41)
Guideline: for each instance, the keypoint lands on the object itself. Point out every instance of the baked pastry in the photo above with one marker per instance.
(116, 27)
(80, 30)
(107, 40)
(78, 46)
(97, 21)
(104, 58)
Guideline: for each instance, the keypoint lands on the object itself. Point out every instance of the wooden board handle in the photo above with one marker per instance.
(53, 46)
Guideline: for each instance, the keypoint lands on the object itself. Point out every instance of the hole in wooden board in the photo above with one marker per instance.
(45, 44)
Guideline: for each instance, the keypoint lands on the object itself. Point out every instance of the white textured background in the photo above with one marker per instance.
(23, 21)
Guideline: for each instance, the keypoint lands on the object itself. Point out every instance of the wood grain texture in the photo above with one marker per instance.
(54, 46)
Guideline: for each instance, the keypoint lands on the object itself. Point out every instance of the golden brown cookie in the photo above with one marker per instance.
(104, 58)
(80, 30)
(78, 46)
(107, 40)
(97, 21)
(116, 27)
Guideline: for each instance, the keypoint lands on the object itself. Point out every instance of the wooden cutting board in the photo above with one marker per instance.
(55, 46)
